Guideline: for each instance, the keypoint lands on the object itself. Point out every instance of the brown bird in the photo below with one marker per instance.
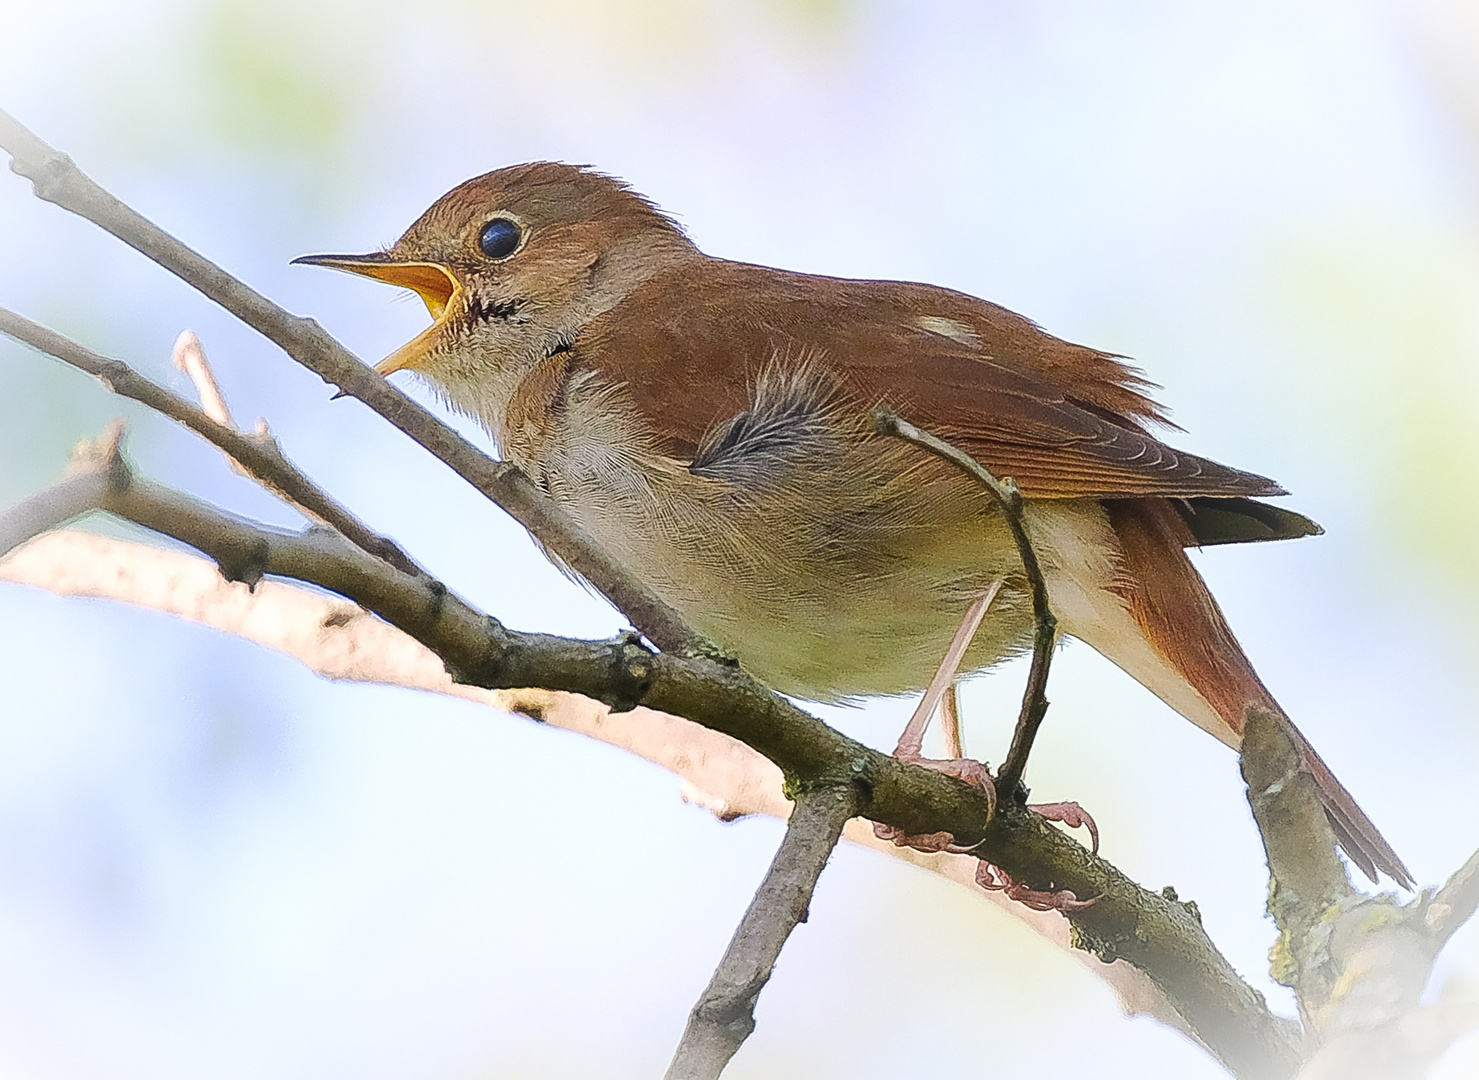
(707, 422)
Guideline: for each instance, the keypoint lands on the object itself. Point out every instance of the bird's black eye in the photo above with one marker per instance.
(500, 237)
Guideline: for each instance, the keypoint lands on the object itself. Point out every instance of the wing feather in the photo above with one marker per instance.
(1062, 420)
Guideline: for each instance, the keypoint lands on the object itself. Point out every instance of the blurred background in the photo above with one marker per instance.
(214, 864)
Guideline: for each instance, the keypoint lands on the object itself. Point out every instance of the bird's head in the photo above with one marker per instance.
(513, 263)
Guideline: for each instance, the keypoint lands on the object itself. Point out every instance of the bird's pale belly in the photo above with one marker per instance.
(831, 582)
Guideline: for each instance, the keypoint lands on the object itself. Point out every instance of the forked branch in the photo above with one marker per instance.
(261, 458)
(57, 180)
(1357, 963)
(1156, 933)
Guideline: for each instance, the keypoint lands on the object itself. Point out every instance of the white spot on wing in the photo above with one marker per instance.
(953, 329)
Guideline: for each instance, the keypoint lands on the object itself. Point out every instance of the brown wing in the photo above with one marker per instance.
(1062, 420)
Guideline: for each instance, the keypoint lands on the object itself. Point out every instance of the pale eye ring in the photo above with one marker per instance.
(500, 238)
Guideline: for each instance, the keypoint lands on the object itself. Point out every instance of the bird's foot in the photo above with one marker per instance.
(973, 772)
(1071, 814)
(993, 878)
(970, 770)
(926, 842)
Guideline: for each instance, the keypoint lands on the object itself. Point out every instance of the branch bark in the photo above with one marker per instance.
(52, 508)
(1357, 963)
(1455, 903)
(724, 1016)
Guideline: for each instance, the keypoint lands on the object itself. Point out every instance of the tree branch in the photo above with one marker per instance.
(1356, 963)
(1455, 903)
(340, 640)
(1157, 934)
(52, 508)
(1296, 834)
(189, 356)
(724, 1016)
(261, 458)
(57, 180)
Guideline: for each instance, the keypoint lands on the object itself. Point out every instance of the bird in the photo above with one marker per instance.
(708, 422)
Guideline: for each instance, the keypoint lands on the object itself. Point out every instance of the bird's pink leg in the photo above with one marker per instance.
(950, 722)
(941, 690)
(941, 694)
(911, 741)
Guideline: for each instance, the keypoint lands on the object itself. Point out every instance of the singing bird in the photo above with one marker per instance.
(708, 423)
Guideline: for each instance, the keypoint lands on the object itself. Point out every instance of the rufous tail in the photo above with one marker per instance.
(1176, 613)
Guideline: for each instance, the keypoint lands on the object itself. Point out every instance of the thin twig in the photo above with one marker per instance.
(1158, 934)
(724, 1016)
(261, 458)
(51, 509)
(189, 356)
(57, 180)
(83, 491)
(1045, 626)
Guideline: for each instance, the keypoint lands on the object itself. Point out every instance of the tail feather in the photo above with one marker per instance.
(1176, 613)
(1359, 838)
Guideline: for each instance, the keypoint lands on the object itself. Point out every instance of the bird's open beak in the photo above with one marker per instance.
(434, 284)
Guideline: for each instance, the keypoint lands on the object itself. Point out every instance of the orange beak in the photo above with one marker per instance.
(433, 283)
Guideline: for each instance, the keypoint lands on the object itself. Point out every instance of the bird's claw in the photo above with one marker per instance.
(970, 770)
(1071, 814)
(993, 878)
(930, 843)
